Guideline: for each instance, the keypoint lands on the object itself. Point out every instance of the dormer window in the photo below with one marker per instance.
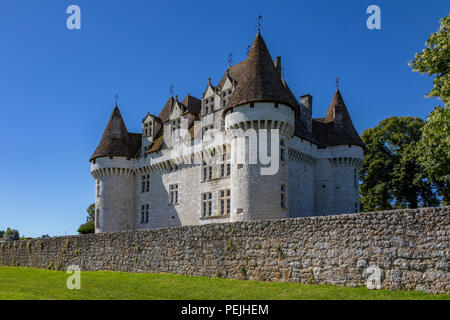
(176, 124)
(208, 104)
(147, 129)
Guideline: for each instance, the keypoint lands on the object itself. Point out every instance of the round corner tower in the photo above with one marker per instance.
(112, 169)
(259, 119)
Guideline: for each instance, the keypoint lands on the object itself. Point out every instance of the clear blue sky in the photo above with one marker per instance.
(57, 86)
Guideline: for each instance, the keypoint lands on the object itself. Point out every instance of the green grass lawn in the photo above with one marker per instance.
(28, 283)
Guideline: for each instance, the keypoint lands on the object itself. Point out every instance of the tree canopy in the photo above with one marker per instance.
(391, 174)
(434, 148)
(11, 234)
(89, 226)
(434, 61)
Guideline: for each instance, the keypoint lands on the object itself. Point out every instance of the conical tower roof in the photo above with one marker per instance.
(260, 80)
(337, 126)
(337, 107)
(116, 141)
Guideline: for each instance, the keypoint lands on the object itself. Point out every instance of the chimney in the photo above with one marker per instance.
(306, 102)
(277, 64)
(306, 112)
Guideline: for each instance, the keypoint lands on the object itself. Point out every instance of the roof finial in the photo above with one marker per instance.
(337, 83)
(116, 97)
(230, 60)
(171, 90)
(260, 18)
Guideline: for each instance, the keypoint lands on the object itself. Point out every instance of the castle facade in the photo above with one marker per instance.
(144, 182)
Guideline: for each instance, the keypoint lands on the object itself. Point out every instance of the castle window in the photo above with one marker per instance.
(207, 173)
(282, 149)
(208, 105)
(173, 193)
(224, 103)
(355, 179)
(225, 201)
(225, 166)
(207, 204)
(144, 213)
(145, 183)
(356, 207)
(176, 124)
(147, 129)
(283, 196)
(204, 129)
(97, 183)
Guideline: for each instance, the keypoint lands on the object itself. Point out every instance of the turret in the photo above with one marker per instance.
(112, 168)
(259, 101)
(337, 180)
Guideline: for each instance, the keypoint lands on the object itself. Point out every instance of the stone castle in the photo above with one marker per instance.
(142, 184)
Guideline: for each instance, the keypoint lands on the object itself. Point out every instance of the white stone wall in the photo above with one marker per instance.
(115, 204)
(255, 196)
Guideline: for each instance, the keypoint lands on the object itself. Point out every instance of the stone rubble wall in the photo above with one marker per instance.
(411, 247)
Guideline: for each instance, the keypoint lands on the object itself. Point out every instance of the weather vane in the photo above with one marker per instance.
(230, 60)
(116, 97)
(337, 83)
(260, 18)
(171, 90)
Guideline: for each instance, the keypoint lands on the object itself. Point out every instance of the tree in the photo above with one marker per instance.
(434, 148)
(391, 174)
(1, 233)
(434, 61)
(11, 234)
(89, 226)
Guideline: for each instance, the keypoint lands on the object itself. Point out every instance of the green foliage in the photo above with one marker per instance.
(91, 213)
(89, 226)
(434, 150)
(244, 272)
(11, 234)
(230, 249)
(391, 175)
(434, 61)
(280, 253)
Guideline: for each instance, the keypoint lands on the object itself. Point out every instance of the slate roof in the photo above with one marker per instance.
(256, 79)
(116, 141)
(337, 127)
(259, 80)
